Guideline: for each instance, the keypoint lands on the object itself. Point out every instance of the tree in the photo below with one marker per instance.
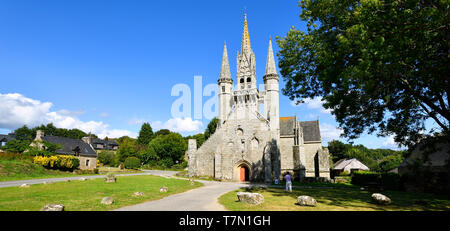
(127, 148)
(106, 157)
(16, 146)
(145, 135)
(162, 132)
(338, 150)
(211, 128)
(24, 134)
(380, 66)
(169, 148)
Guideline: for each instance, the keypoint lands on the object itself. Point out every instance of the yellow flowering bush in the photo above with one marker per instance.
(62, 162)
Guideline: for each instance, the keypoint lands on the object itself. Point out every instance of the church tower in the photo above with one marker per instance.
(225, 88)
(271, 85)
(246, 98)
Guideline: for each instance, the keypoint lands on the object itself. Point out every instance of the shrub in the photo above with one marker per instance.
(60, 162)
(391, 181)
(362, 178)
(96, 171)
(166, 163)
(14, 156)
(132, 163)
(107, 157)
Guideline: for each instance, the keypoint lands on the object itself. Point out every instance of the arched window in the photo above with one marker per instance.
(249, 80)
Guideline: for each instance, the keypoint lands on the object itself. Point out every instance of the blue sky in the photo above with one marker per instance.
(108, 66)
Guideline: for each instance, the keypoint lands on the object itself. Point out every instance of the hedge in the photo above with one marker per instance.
(389, 181)
(132, 163)
(60, 162)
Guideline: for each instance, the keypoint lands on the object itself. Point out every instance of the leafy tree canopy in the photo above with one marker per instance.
(145, 135)
(211, 128)
(162, 132)
(380, 66)
(169, 147)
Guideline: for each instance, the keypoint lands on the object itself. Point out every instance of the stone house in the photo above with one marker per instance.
(102, 145)
(349, 166)
(6, 138)
(78, 148)
(254, 145)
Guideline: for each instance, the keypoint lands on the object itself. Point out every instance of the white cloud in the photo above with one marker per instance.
(315, 104)
(179, 125)
(136, 121)
(330, 132)
(17, 110)
(389, 142)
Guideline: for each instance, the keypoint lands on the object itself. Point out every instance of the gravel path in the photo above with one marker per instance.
(201, 199)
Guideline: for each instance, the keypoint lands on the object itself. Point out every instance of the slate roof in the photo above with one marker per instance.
(341, 164)
(71, 146)
(4, 138)
(287, 125)
(107, 144)
(311, 131)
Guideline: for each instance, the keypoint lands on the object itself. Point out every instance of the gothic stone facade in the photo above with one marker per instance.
(250, 145)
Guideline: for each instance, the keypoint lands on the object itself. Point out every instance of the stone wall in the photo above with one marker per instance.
(314, 151)
(92, 164)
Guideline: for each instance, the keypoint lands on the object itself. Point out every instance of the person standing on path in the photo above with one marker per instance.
(288, 179)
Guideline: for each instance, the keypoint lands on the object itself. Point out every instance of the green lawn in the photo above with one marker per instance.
(11, 170)
(25, 169)
(337, 199)
(87, 195)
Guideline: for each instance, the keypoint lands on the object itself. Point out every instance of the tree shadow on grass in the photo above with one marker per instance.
(356, 199)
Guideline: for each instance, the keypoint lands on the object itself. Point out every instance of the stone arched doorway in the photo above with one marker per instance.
(242, 171)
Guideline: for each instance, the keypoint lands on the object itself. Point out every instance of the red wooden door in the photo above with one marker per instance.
(242, 174)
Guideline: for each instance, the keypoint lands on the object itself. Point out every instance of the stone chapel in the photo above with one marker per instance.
(250, 145)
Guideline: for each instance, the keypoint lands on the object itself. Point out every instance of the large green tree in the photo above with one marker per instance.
(168, 149)
(211, 128)
(145, 135)
(380, 66)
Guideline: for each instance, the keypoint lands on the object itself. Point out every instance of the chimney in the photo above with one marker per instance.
(87, 140)
(39, 135)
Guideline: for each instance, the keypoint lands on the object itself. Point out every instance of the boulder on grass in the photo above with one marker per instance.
(107, 201)
(25, 186)
(381, 199)
(110, 179)
(53, 208)
(306, 201)
(163, 189)
(250, 198)
(138, 194)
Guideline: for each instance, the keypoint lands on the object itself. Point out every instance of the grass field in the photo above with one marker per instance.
(11, 170)
(87, 195)
(25, 169)
(337, 199)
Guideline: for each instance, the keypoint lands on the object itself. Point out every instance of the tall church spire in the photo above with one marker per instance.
(225, 70)
(270, 65)
(245, 36)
